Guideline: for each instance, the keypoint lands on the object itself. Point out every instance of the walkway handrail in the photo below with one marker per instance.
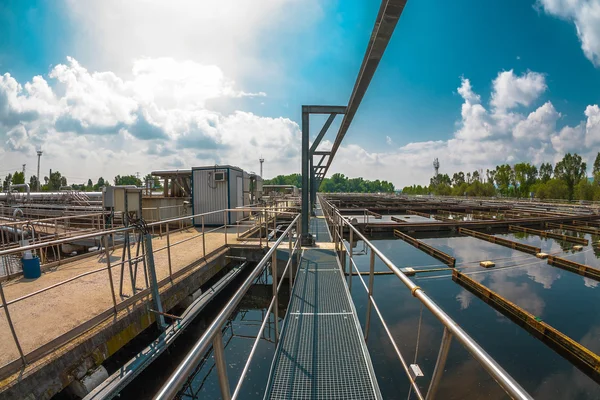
(129, 259)
(212, 335)
(131, 228)
(507, 382)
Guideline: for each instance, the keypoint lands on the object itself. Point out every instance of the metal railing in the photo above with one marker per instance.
(213, 334)
(119, 297)
(338, 224)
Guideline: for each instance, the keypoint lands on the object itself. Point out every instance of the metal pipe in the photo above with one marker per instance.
(20, 185)
(274, 278)
(506, 381)
(112, 286)
(169, 254)
(221, 366)
(370, 294)
(10, 324)
(440, 364)
(189, 363)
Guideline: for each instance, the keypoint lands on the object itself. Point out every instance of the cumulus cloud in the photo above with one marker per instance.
(100, 123)
(585, 14)
(100, 117)
(504, 131)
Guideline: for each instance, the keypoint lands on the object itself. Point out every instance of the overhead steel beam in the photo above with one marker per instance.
(387, 18)
(324, 109)
(317, 141)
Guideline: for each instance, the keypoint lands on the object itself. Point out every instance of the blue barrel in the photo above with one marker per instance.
(31, 268)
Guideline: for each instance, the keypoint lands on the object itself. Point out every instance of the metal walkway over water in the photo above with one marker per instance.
(321, 353)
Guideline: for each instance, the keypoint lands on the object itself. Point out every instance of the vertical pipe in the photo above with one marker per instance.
(276, 304)
(305, 172)
(290, 258)
(266, 228)
(10, 324)
(440, 364)
(203, 241)
(169, 254)
(370, 292)
(313, 184)
(225, 219)
(259, 215)
(299, 247)
(158, 216)
(221, 366)
(350, 261)
(160, 319)
(110, 279)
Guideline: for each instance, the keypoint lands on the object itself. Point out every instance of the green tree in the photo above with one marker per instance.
(490, 175)
(55, 181)
(127, 180)
(458, 178)
(596, 169)
(553, 189)
(545, 172)
(571, 169)
(33, 182)
(18, 178)
(6, 183)
(504, 177)
(475, 176)
(585, 190)
(525, 176)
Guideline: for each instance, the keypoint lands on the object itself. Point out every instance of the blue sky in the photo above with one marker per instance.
(254, 66)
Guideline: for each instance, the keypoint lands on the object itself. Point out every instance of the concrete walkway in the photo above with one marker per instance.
(45, 316)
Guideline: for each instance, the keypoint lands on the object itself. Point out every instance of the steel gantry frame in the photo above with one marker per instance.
(312, 175)
(385, 23)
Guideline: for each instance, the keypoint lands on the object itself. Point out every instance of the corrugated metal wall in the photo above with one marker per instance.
(209, 195)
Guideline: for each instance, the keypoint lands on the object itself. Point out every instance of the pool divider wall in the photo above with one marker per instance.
(578, 228)
(591, 224)
(585, 359)
(572, 266)
(567, 238)
(504, 242)
(420, 214)
(432, 251)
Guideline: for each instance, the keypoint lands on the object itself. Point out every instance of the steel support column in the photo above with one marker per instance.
(306, 238)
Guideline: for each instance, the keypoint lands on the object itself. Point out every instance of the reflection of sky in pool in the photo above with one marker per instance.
(566, 301)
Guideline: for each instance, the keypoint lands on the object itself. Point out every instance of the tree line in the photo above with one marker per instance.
(566, 180)
(337, 183)
(56, 181)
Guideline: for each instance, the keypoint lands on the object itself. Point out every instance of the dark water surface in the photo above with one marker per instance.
(566, 301)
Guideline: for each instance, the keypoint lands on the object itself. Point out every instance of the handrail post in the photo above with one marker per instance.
(266, 228)
(370, 293)
(276, 305)
(110, 279)
(158, 216)
(225, 222)
(12, 327)
(438, 371)
(169, 254)
(350, 261)
(203, 241)
(221, 366)
(290, 258)
(160, 319)
(299, 243)
(259, 215)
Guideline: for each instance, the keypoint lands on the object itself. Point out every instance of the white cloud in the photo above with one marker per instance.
(100, 123)
(85, 121)
(585, 14)
(511, 90)
(389, 141)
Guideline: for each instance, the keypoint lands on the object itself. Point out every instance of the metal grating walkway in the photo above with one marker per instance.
(321, 352)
